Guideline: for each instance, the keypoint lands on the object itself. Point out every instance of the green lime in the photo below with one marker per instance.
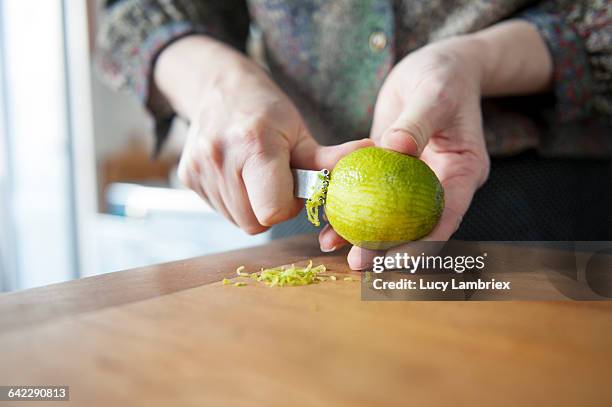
(379, 198)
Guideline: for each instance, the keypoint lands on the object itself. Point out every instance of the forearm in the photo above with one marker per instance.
(509, 58)
(194, 65)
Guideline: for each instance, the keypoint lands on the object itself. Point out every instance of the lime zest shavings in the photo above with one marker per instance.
(283, 276)
(240, 272)
(317, 198)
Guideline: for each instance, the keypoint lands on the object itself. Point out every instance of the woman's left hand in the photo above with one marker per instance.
(429, 107)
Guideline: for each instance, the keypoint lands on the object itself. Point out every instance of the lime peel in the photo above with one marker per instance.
(378, 198)
(316, 200)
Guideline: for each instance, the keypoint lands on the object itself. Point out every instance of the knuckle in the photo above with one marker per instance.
(254, 141)
(212, 151)
(271, 215)
(439, 84)
(445, 99)
(254, 229)
(267, 216)
(442, 93)
(193, 166)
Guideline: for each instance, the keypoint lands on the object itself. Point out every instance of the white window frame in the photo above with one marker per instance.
(8, 272)
(62, 40)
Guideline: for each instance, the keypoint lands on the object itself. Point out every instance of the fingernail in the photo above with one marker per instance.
(329, 249)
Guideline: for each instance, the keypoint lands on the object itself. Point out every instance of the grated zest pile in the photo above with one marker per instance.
(283, 276)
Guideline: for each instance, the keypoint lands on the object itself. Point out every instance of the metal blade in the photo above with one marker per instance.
(306, 182)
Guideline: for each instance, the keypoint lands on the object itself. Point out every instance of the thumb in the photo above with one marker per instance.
(414, 126)
(309, 155)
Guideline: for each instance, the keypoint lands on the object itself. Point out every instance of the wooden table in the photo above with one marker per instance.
(174, 335)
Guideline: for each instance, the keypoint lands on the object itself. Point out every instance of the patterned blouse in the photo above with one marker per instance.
(331, 57)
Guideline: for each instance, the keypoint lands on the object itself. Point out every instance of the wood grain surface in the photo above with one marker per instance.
(174, 335)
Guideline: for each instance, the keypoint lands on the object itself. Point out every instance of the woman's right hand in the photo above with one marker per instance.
(245, 133)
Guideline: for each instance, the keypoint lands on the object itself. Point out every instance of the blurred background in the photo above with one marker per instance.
(79, 192)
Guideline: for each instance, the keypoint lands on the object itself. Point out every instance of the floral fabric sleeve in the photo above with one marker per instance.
(579, 37)
(134, 32)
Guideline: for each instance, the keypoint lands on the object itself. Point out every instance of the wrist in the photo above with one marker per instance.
(508, 58)
(512, 58)
(472, 59)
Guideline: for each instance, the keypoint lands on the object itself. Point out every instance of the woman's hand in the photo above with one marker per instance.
(429, 106)
(244, 135)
